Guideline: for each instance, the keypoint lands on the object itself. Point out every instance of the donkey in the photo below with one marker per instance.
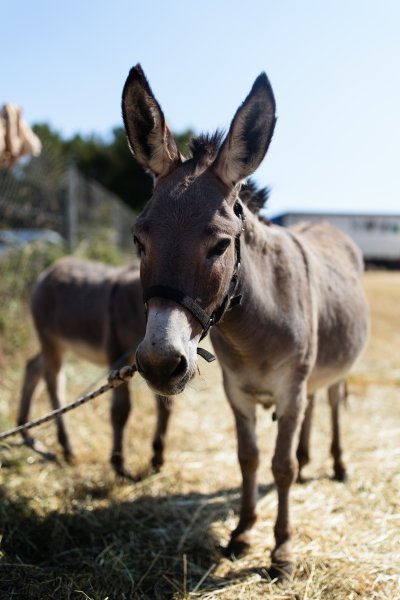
(286, 308)
(97, 311)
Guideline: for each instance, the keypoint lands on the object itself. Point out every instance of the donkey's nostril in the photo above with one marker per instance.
(181, 368)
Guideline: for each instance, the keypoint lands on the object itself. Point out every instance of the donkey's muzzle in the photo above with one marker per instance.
(167, 374)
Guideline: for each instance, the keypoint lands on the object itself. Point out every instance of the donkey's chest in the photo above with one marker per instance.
(257, 395)
(250, 387)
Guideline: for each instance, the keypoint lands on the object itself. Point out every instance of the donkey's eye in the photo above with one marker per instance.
(219, 248)
(139, 245)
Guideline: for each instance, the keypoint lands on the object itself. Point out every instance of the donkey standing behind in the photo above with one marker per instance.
(97, 311)
(287, 306)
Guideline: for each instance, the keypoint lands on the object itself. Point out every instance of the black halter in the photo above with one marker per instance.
(231, 297)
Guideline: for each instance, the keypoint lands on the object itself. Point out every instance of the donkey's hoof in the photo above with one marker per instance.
(126, 476)
(121, 472)
(157, 462)
(40, 449)
(50, 456)
(29, 441)
(340, 474)
(280, 571)
(117, 464)
(70, 458)
(300, 478)
(236, 548)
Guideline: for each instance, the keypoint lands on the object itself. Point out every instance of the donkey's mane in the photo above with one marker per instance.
(253, 197)
(204, 147)
(203, 151)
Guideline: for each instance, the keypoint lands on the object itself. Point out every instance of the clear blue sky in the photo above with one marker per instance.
(334, 67)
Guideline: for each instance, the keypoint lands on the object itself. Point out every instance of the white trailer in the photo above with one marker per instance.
(378, 236)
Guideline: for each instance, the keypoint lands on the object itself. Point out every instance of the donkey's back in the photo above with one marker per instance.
(74, 306)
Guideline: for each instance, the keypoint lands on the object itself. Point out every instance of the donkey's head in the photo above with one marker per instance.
(187, 235)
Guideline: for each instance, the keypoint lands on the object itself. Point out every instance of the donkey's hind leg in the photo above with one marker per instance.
(33, 374)
(303, 449)
(164, 408)
(54, 377)
(337, 396)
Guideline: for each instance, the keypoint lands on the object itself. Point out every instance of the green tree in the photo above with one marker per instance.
(109, 162)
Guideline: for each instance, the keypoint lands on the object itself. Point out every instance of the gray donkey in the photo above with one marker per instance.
(97, 311)
(286, 308)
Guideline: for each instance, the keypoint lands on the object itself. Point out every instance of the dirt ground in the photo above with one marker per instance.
(78, 532)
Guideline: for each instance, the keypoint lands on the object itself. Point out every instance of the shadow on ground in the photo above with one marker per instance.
(151, 547)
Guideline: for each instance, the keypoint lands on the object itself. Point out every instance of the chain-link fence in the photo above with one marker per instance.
(93, 213)
(76, 208)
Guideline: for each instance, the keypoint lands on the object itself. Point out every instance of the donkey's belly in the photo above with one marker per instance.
(324, 377)
(93, 354)
(337, 354)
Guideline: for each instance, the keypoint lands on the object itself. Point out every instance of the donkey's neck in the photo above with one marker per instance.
(272, 268)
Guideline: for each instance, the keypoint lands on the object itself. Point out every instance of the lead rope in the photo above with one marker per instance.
(116, 378)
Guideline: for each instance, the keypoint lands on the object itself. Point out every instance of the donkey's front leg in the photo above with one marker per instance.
(164, 408)
(120, 409)
(285, 469)
(248, 454)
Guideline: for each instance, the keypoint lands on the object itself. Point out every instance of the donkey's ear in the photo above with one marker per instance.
(150, 139)
(249, 134)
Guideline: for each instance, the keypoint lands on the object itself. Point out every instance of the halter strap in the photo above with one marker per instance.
(163, 291)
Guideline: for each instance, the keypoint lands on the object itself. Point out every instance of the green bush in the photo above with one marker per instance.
(19, 269)
(100, 249)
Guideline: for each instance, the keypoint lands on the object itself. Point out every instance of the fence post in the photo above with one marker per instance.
(72, 206)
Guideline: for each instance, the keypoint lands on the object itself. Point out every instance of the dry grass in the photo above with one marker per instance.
(76, 532)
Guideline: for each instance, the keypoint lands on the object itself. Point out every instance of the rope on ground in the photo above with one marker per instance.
(115, 379)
